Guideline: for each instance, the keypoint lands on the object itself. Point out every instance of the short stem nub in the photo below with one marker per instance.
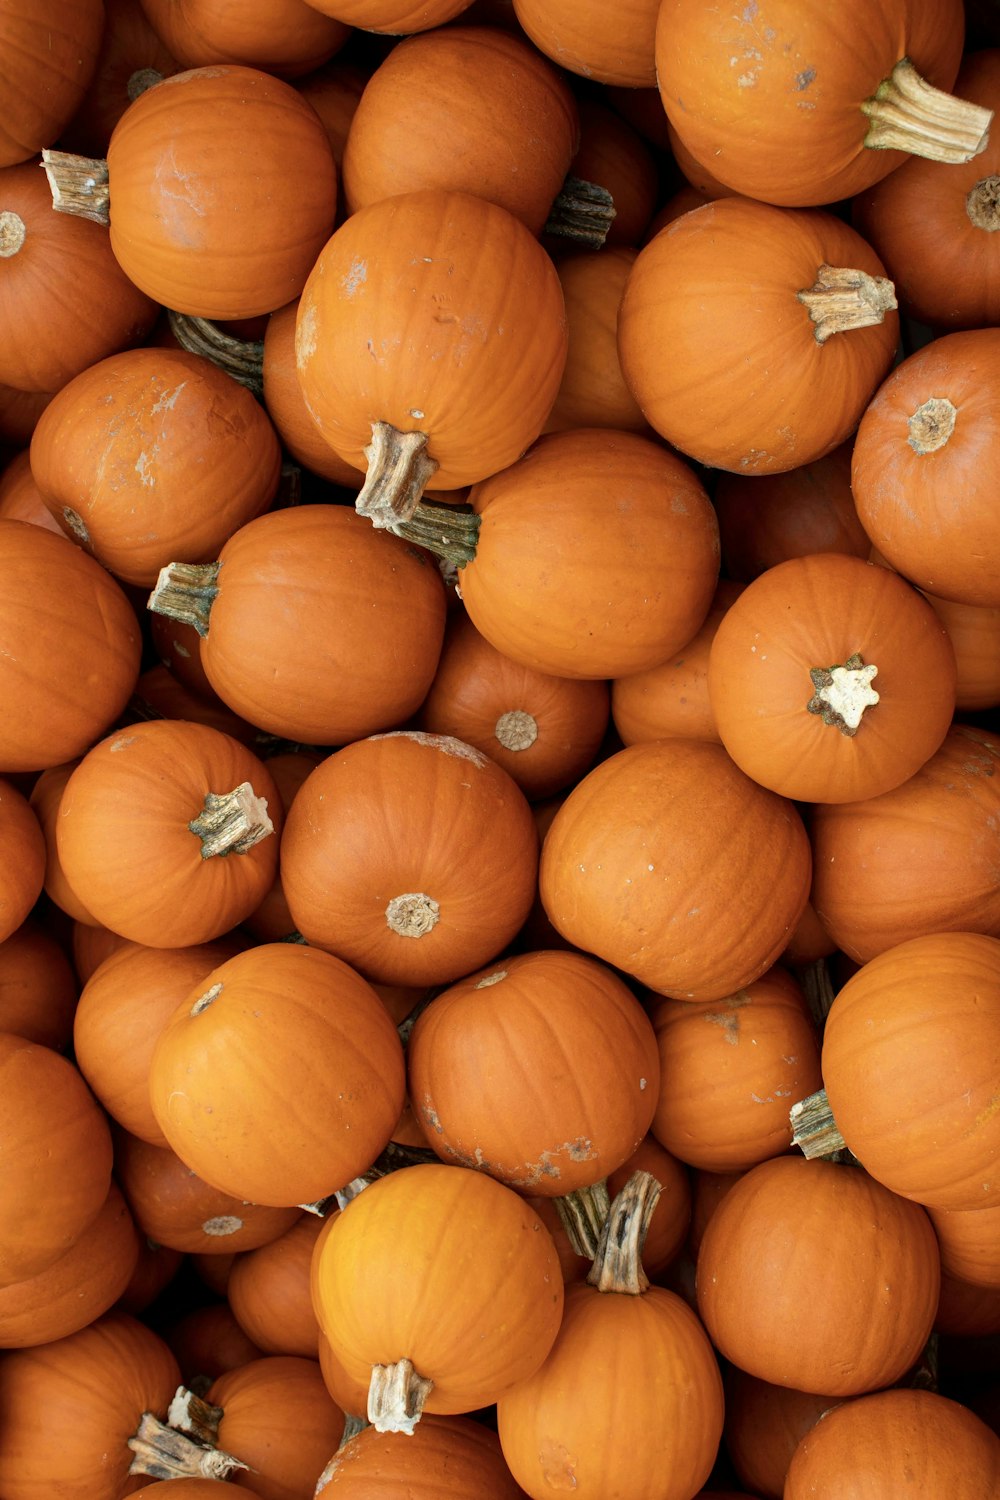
(982, 203)
(931, 425)
(79, 185)
(12, 233)
(842, 298)
(516, 729)
(185, 592)
(907, 114)
(841, 694)
(396, 1397)
(618, 1264)
(814, 1130)
(231, 823)
(581, 211)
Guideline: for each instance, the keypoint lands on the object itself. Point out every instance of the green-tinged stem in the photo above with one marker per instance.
(240, 358)
(186, 592)
(618, 1264)
(814, 1130)
(583, 1214)
(908, 114)
(231, 822)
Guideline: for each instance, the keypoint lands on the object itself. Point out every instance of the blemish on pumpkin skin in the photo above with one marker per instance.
(121, 742)
(557, 1464)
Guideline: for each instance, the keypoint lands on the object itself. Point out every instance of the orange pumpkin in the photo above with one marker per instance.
(969, 1240)
(753, 337)
(38, 989)
(831, 680)
(131, 58)
(287, 408)
(277, 1418)
(22, 871)
(670, 863)
(614, 156)
(592, 392)
(613, 47)
(764, 1425)
(165, 832)
(443, 1455)
(392, 16)
(268, 1291)
(405, 896)
(284, 37)
(44, 72)
(328, 1040)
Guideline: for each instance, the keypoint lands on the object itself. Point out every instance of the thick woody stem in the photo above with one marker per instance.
(581, 211)
(164, 1453)
(396, 1397)
(583, 1214)
(198, 1418)
(231, 822)
(908, 114)
(79, 185)
(398, 469)
(618, 1264)
(814, 1130)
(240, 358)
(841, 299)
(185, 592)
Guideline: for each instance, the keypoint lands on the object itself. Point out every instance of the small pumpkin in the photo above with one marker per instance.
(285, 37)
(269, 1293)
(611, 47)
(279, 1420)
(22, 872)
(454, 1455)
(45, 71)
(38, 988)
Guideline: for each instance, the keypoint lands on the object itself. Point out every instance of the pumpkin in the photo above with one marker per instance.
(969, 1240)
(22, 871)
(597, 555)
(131, 59)
(49, 337)
(327, 1039)
(438, 1288)
(753, 337)
(272, 922)
(168, 832)
(351, 643)
(334, 92)
(284, 37)
(268, 1291)
(56, 1158)
(933, 226)
(974, 631)
(967, 1310)
(611, 47)
(279, 1420)
(392, 16)
(20, 498)
(815, 1276)
(613, 156)
(154, 1272)
(287, 408)
(867, 1449)
(540, 1070)
(46, 797)
(19, 411)
(593, 392)
(544, 730)
(671, 1218)
(179, 235)
(922, 450)
(411, 856)
(764, 1425)
(197, 1489)
(159, 695)
(99, 1381)
(831, 680)
(91, 945)
(669, 863)
(453, 1455)
(465, 88)
(730, 1070)
(38, 989)
(629, 1400)
(911, 1053)
(78, 1287)
(152, 451)
(207, 1341)
(431, 330)
(916, 860)
(809, 107)
(45, 71)
(71, 653)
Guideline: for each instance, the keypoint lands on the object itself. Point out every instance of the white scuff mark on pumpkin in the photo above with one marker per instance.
(447, 744)
(143, 467)
(494, 978)
(356, 276)
(642, 1085)
(222, 1224)
(305, 336)
(168, 400)
(121, 742)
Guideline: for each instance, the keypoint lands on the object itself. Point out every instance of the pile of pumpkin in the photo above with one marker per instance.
(499, 655)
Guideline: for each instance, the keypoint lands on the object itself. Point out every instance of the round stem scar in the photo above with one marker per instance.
(931, 425)
(906, 113)
(982, 203)
(396, 1397)
(516, 730)
(412, 915)
(231, 822)
(841, 299)
(12, 233)
(843, 693)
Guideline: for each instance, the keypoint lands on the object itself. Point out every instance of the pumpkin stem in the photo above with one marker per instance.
(398, 469)
(198, 1418)
(843, 693)
(817, 986)
(231, 822)
(141, 80)
(396, 1397)
(618, 1263)
(982, 203)
(814, 1130)
(908, 114)
(185, 592)
(12, 233)
(516, 729)
(583, 1214)
(931, 425)
(164, 1453)
(79, 185)
(240, 358)
(841, 299)
(581, 211)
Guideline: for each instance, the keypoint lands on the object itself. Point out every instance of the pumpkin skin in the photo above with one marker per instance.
(151, 453)
(613, 47)
(132, 57)
(918, 859)
(79, 1286)
(177, 234)
(404, 898)
(38, 988)
(669, 863)
(279, 1418)
(909, 461)
(45, 71)
(100, 1381)
(722, 355)
(126, 846)
(22, 868)
(56, 1158)
(72, 649)
(593, 392)
(466, 312)
(970, 1244)
(814, 1276)
(443, 1455)
(284, 37)
(396, 17)
(20, 499)
(730, 1070)
(197, 1489)
(911, 1052)
(810, 615)
(540, 1070)
(462, 90)
(974, 630)
(208, 1341)
(435, 1229)
(771, 100)
(287, 408)
(59, 250)
(46, 797)
(866, 1449)
(354, 640)
(764, 1425)
(597, 555)
(328, 1039)
(268, 1291)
